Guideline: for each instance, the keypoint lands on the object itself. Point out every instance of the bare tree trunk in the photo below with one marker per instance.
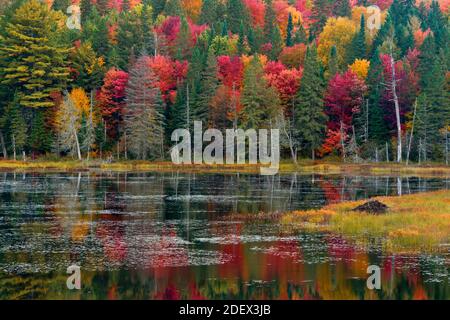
(387, 152)
(411, 134)
(188, 110)
(366, 136)
(2, 141)
(14, 147)
(78, 144)
(397, 110)
(342, 140)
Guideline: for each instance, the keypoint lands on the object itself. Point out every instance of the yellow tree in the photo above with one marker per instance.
(361, 68)
(337, 32)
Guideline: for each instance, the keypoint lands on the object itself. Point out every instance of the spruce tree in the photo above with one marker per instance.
(236, 12)
(300, 34)
(358, 48)
(310, 119)
(289, 29)
(378, 130)
(260, 103)
(332, 63)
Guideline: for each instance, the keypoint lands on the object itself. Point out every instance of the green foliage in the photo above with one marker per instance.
(30, 59)
(310, 119)
(260, 103)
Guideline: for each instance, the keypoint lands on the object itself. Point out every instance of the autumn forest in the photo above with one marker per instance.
(357, 80)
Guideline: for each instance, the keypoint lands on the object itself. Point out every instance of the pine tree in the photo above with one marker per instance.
(438, 24)
(236, 12)
(158, 7)
(183, 41)
(40, 139)
(207, 88)
(332, 63)
(289, 29)
(95, 30)
(173, 8)
(378, 130)
(14, 122)
(143, 115)
(276, 42)
(129, 36)
(358, 48)
(260, 103)
(30, 59)
(209, 12)
(241, 40)
(310, 119)
(300, 34)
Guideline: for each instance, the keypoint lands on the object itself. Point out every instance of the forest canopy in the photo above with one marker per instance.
(321, 71)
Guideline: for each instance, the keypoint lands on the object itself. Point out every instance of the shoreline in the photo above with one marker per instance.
(303, 167)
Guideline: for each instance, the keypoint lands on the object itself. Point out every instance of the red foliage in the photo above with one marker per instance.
(257, 11)
(111, 99)
(343, 99)
(169, 73)
(301, 5)
(170, 28)
(286, 81)
(231, 71)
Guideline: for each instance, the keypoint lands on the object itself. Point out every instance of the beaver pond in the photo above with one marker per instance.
(198, 236)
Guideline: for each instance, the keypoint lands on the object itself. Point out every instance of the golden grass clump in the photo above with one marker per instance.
(413, 222)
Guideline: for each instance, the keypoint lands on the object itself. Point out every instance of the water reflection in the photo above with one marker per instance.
(180, 235)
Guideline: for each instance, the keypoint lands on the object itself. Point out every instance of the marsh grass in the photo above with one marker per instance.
(416, 222)
(303, 167)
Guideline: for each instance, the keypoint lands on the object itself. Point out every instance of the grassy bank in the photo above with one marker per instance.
(304, 166)
(417, 222)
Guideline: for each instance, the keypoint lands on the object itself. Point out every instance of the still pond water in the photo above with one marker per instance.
(196, 236)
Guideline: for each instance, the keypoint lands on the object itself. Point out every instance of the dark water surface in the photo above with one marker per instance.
(181, 235)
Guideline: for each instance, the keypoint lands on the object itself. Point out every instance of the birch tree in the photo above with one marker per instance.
(68, 126)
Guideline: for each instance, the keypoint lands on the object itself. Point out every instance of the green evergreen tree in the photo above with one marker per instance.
(40, 138)
(260, 103)
(378, 130)
(173, 8)
(289, 29)
(333, 66)
(236, 12)
(129, 36)
(300, 34)
(30, 59)
(158, 7)
(358, 48)
(182, 43)
(276, 42)
(310, 119)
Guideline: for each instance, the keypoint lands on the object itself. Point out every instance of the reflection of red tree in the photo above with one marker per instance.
(112, 239)
(339, 249)
(169, 293)
(331, 192)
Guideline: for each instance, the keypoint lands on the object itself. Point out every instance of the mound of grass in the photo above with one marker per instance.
(416, 222)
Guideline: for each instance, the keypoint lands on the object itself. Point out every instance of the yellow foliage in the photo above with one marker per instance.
(337, 32)
(81, 100)
(361, 68)
(247, 59)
